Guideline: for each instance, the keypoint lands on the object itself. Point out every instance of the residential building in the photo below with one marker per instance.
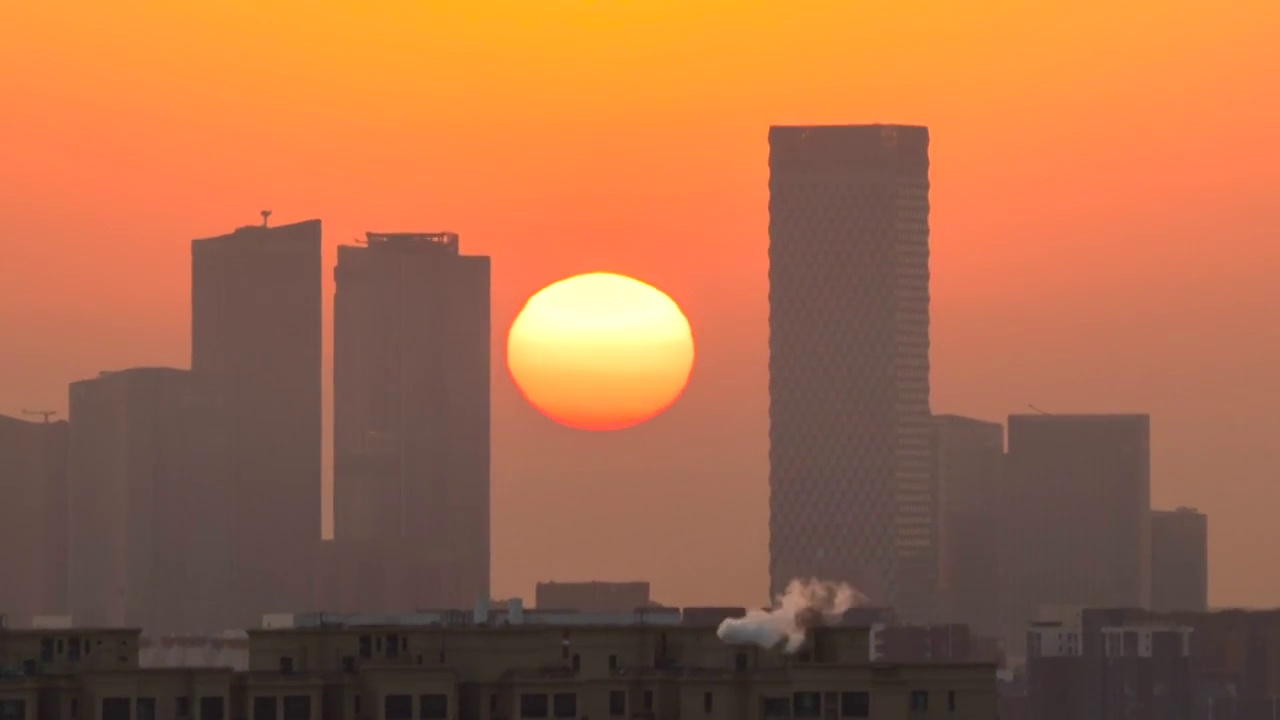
(411, 420)
(1179, 560)
(593, 596)
(256, 332)
(33, 478)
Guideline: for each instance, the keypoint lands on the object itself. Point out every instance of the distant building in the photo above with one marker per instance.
(33, 480)
(150, 510)
(1179, 561)
(850, 474)
(1080, 512)
(411, 420)
(256, 332)
(622, 669)
(973, 521)
(593, 596)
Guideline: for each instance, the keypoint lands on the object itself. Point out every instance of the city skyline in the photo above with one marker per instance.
(1053, 286)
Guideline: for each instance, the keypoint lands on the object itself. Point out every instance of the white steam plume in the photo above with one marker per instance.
(803, 606)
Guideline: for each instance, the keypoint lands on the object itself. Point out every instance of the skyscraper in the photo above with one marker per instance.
(850, 474)
(150, 510)
(1179, 560)
(256, 332)
(972, 514)
(411, 419)
(1081, 496)
(33, 514)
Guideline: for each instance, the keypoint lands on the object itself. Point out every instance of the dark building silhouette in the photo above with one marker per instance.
(1080, 508)
(602, 597)
(411, 420)
(1179, 560)
(150, 508)
(256, 332)
(850, 474)
(973, 519)
(33, 515)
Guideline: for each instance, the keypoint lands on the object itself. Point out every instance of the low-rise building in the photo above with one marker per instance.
(481, 666)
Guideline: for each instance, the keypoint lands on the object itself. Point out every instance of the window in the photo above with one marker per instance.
(73, 649)
(59, 646)
(348, 664)
(577, 662)
(393, 646)
(182, 706)
(286, 665)
(564, 705)
(648, 700)
(75, 708)
(46, 650)
(919, 701)
(436, 706)
(617, 703)
(533, 705)
(708, 702)
(13, 710)
(806, 705)
(398, 707)
(213, 707)
(265, 707)
(951, 701)
(115, 708)
(366, 650)
(740, 662)
(145, 708)
(297, 707)
(855, 704)
(775, 707)
(613, 662)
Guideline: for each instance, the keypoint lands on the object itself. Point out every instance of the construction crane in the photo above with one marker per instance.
(46, 414)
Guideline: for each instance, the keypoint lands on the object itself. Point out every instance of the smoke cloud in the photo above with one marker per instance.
(805, 605)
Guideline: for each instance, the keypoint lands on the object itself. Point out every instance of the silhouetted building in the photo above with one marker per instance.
(1080, 511)
(973, 521)
(1110, 672)
(593, 596)
(1179, 561)
(33, 519)
(850, 474)
(411, 420)
(256, 331)
(150, 509)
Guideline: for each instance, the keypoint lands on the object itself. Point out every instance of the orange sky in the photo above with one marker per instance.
(1104, 225)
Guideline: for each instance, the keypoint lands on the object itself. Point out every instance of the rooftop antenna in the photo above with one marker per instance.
(265, 214)
(46, 414)
(1042, 412)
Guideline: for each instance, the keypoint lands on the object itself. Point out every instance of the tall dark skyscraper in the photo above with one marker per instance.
(851, 490)
(1179, 560)
(150, 509)
(256, 332)
(1081, 502)
(33, 514)
(411, 418)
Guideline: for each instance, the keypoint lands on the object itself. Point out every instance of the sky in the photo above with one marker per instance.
(1105, 232)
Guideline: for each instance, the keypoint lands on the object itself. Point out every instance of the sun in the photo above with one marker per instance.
(600, 351)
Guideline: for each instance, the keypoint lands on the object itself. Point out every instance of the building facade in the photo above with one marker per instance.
(973, 512)
(593, 596)
(256, 331)
(33, 478)
(851, 494)
(150, 513)
(472, 671)
(1081, 502)
(411, 420)
(1179, 560)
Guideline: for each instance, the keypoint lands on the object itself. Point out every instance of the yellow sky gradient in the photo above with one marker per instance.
(1104, 218)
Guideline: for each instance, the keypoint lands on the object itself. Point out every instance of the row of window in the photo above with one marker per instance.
(852, 704)
(212, 707)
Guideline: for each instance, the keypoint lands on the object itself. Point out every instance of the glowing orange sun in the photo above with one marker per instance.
(600, 351)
